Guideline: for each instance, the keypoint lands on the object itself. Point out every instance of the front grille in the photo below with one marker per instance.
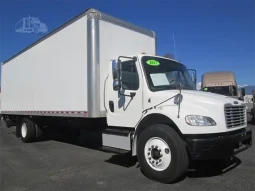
(235, 116)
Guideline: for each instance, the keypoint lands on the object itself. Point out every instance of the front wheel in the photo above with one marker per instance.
(162, 154)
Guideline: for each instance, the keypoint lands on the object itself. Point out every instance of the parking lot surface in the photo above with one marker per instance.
(58, 163)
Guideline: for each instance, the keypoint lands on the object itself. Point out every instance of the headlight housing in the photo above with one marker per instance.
(198, 120)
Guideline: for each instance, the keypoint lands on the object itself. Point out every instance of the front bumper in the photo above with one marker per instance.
(220, 145)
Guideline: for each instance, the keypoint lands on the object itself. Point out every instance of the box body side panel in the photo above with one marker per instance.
(51, 76)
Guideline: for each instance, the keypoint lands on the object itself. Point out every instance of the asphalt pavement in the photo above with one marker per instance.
(61, 164)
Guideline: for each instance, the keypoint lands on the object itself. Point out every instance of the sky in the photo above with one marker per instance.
(210, 35)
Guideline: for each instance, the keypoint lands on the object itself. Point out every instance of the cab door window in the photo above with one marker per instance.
(129, 75)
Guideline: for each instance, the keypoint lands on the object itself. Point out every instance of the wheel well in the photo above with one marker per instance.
(156, 119)
(153, 119)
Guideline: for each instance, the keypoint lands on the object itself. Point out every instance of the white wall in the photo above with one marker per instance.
(51, 76)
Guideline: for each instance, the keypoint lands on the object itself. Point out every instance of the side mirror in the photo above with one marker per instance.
(253, 94)
(116, 75)
(242, 92)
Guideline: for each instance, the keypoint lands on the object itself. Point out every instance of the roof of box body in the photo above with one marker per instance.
(91, 13)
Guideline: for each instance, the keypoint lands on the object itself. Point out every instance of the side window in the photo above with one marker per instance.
(130, 78)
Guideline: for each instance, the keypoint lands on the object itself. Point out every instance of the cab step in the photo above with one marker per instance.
(117, 138)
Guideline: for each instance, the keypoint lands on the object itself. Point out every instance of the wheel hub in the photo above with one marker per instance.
(24, 130)
(155, 156)
(157, 153)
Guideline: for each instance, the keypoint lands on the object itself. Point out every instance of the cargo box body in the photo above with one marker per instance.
(63, 74)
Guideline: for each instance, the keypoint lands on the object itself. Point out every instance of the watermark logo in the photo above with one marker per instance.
(30, 25)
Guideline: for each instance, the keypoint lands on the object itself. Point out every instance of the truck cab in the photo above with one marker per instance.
(143, 83)
(157, 97)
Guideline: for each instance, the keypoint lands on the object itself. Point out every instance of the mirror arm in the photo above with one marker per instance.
(132, 94)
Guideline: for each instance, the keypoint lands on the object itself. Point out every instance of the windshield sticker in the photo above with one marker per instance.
(159, 79)
(152, 62)
(205, 89)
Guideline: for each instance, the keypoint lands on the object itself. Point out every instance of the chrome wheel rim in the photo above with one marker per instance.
(157, 154)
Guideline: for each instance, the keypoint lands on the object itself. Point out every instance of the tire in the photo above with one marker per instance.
(18, 126)
(164, 137)
(18, 131)
(38, 132)
(27, 130)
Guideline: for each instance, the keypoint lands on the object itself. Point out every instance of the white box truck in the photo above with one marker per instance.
(97, 68)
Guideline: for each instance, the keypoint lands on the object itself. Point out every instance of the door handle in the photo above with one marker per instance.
(111, 106)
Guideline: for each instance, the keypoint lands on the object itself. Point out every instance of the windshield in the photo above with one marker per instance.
(223, 90)
(165, 74)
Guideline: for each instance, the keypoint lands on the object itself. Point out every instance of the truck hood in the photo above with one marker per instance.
(193, 103)
(209, 97)
(198, 96)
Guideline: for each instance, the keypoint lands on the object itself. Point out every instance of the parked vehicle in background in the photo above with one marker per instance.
(249, 101)
(224, 83)
(253, 107)
(90, 73)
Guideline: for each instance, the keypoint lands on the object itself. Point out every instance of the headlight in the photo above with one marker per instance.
(198, 120)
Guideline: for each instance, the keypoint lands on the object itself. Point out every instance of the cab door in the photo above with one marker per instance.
(124, 107)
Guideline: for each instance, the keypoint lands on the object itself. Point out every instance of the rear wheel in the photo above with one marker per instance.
(18, 129)
(39, 132)
(162, 154)
(27, 130)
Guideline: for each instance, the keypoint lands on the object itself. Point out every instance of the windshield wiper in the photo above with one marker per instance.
(179, 102)
(154, 107)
